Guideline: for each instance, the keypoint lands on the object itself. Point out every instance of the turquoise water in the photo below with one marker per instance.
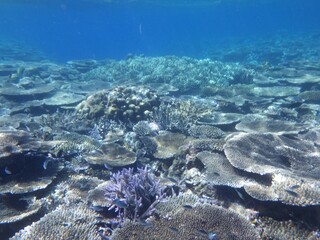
(65, 30)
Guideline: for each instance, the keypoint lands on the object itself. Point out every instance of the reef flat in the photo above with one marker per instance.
(224, 147)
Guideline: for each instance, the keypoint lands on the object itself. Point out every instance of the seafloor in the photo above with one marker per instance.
(225, 147)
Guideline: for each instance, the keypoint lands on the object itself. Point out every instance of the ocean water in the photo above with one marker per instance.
(65, 30)
(159, 119)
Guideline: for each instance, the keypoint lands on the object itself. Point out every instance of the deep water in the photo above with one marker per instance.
(65, 30)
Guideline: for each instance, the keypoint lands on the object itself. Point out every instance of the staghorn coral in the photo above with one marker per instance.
(145, 128)
(65, 222)
(180, 115)
(134, 195)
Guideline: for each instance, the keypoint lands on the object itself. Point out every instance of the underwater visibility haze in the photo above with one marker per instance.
(159, 119)
(67, 30)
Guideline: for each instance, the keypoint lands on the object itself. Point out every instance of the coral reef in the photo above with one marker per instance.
(183, 73)
(245, 137)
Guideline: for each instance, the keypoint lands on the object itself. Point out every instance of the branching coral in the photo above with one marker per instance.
(134, 195)
(179, 115)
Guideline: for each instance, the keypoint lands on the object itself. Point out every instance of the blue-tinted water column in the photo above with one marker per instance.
(66, 30)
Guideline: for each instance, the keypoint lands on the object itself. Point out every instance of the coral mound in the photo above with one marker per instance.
(199, 222)
(66, 222)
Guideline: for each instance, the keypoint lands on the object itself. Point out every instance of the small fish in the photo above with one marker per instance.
(66, 224)
(45, 164)
(7, 171)
(142, 187)
(210, 235)
(187, 206)
(108, 167)
(119, 203)
(292, 193)
(173, 229)
(173, 180)
(99, 219)
(216, 174)
(202, 232)
(294, 187)
(240, 194)
(145, 224)
(28, 129)
(97, 208)
(164, 200)
(104, 231)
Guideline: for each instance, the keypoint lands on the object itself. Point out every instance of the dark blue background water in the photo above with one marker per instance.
(64, 30)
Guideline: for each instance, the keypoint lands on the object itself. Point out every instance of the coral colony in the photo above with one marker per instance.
(134, 196)
(163, 148)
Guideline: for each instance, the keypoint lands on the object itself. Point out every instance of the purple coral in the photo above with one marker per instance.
(134, 195)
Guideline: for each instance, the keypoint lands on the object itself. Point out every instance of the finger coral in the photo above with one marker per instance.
(134, 195)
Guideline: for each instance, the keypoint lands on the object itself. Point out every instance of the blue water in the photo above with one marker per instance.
(65, 30)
